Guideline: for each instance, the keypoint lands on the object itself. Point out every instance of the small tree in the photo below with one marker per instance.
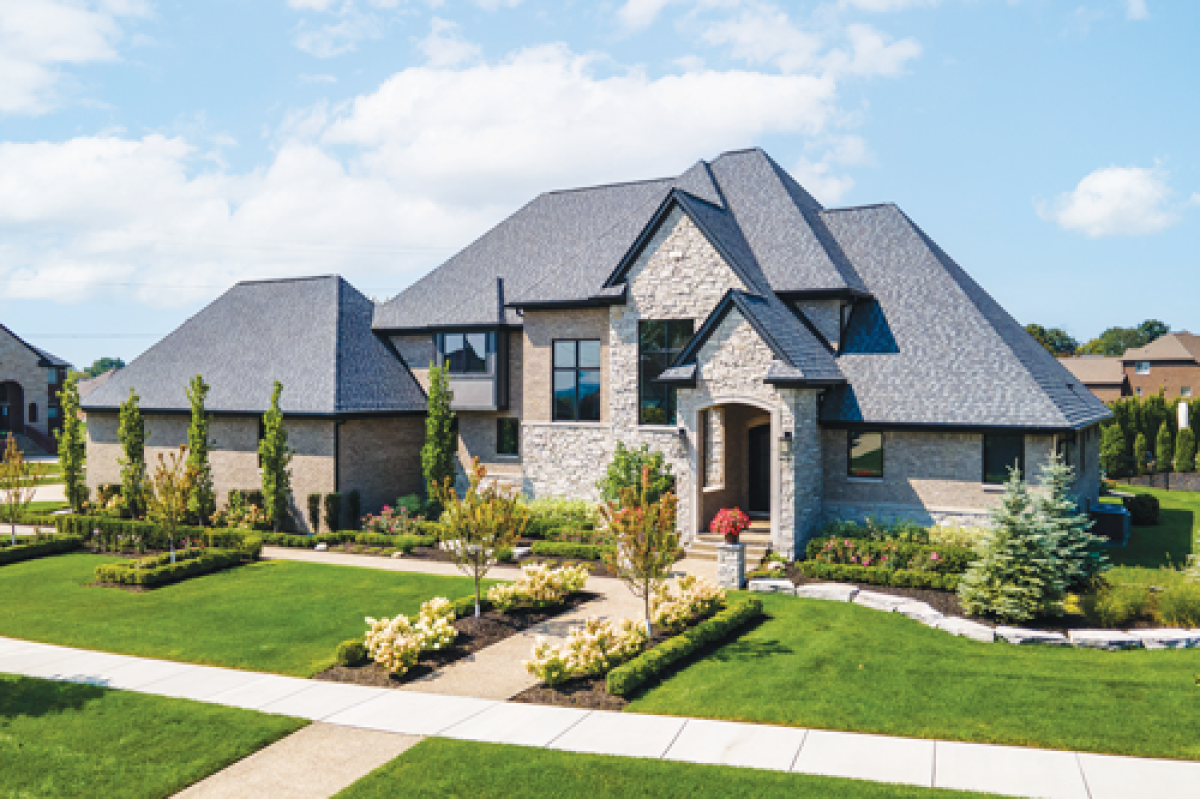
(333, 511)
(1112, 451)
(1164, 450)
(1140, 448)
(202, 503)
(171, 489)
(1185, 450)
(19, 480)
(314, 513)
(72, 444)
(437, 454)
(275, 459)
(1074, 550)
(132, 435)
(643, 530)
(480, 523)
(627, 469)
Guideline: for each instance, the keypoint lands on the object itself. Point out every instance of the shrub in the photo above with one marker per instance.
(397, 644)
(955, 536)
(1179, 605)
(677, 602)
(412, 503)
(1076, 553)
(1112, 450)
(158, 573)
(573, 535)
(562, 549)
(563, 511)
(1164, 449)
(892, 555)
(1185, 450)
(624, 680)
(539, 585)
(38, 549)
(252, 547)
(354, 508)
(596, 648)
(314, 512)
(1143, 509)
(390, 522)
(352, 653)
(624, 473)
(880, 576)
(333, 511)
(1140, 450)
(1114, 606)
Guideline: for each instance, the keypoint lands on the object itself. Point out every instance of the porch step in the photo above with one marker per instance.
(705, 548)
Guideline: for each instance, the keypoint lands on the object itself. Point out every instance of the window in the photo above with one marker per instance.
(1138, 391)
(1186, 391)
(52, 413)
(52, 376)
(577, 381)
(1064, 451)
(1142, 367)
(1000, 454)
(865, 458)
(508, 436)
(465, 353)
(32, 412)
(659, 342)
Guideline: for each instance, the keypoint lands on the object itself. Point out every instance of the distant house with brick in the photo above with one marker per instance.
(799, 362)
(1103, 376)
(30, 379)
(1170, 364)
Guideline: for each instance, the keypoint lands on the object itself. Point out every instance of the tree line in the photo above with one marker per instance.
(1111, 343)
(1144, 435)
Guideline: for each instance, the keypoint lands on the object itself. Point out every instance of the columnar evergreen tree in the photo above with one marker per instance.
(131, 433)
(1073, 547)
(437, 454)
(1112, 451)
(1140, 448)
(275, 459)
(1164, 450)
(72, 444)
(202, 503)
(1185, 450)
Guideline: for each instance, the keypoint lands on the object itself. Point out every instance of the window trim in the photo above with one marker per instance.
(576, 369)
(850, 475)
(1020, 458)
(1141, 367)
(500, 421)
(490, 354)
(672, 390)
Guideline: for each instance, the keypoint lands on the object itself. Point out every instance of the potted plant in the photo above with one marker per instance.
(729, 522)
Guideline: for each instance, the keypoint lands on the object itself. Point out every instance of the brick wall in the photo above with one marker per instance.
(1168, 376)
(381, 458)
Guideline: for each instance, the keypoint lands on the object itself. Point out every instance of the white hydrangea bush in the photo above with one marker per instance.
(592, 650)
(539, 585)
(397, 644)
(677, 602)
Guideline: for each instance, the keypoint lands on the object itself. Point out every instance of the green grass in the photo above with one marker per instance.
(61, 739)
(45, 507)
(278, 616)
(438, 767)
(1176, 536)
(839, 666)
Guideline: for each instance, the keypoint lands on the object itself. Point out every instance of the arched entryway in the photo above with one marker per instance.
(12, 408)
(737, 463)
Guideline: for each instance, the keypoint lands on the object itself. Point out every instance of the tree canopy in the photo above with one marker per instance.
(1114, 341)
(103, 365)
(1056, 340)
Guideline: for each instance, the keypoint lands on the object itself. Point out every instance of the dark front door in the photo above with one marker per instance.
(12, 408)
(760, 469)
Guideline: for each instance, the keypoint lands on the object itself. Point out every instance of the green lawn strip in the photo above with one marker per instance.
(63, 739)
(277, 616)
(446, 768)
(1171, 541)
(838, 666)
(47, 506)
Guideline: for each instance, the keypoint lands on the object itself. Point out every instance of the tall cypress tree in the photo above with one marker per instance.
(72, 444)
(1185, 450)
(131, 433)
(1164, 450)
(202, 503)
(1140, 448)
(437, 454)
(275, 458)
(1112, 450)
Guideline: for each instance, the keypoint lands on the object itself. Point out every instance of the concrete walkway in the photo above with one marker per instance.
(1013, 771)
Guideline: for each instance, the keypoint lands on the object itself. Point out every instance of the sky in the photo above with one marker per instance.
(154, 152)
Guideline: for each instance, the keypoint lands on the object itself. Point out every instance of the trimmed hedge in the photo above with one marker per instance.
(404, 543)
(950, 559)
(128, 573)
(1143, 509)
(38, 549)
(564, 549)
(152, 537)
(351, 653)
(648, 666)
(901, 578)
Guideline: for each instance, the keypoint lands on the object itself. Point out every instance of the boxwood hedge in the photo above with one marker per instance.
(38, 549)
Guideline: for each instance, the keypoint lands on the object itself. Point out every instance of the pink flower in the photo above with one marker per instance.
(934, 556)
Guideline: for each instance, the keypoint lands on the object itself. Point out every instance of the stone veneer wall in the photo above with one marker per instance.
(19, 364)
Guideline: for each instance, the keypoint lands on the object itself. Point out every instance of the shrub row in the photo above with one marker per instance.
(38, 549)
(901, 578)
(127, 573)
(950, 559)
(648, 666)
(149, 533)
(404, 543)
(564, 549)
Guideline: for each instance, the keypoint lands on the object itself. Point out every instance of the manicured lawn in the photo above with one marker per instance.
(838, 666)
(445, 768)
(61, 739)
(45, 507)
(1169, 543)
(276, 616)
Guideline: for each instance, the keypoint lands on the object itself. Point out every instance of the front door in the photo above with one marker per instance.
(760, 470)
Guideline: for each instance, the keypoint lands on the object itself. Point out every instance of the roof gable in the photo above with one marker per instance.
(45, 359)
(1181, 346)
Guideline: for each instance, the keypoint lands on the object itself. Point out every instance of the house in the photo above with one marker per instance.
(30, 379)
(1105, 377)
(799, 362)
(1170, 364)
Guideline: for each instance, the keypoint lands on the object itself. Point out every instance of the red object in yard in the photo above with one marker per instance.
(729, 522)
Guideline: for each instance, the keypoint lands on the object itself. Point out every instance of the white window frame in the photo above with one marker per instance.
(1141, 367)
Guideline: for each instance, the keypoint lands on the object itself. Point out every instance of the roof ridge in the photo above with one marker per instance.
(287, 279)
(598, 186)
(857, 207)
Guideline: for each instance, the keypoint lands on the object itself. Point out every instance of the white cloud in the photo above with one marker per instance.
(888, 5)
(637, 15)
(873, 53)
(1115, 201)
(336, 38)
(444, 47)
(765, 36)
(1136, 9)
(39, 37)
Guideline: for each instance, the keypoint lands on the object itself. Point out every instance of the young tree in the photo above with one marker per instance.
(1073, 548)
(333, 512)
(275, 459)
(1185, 450)
(1164, 450)
(643, 529)
(202, 503)
(19, 480)
(1140, 449)
(169, 496)
(1056, 341)
(629, 467)
(437, 454)
(480, 523)
(132, 435)
(72, 444)
(1112, 451)
(314, 513)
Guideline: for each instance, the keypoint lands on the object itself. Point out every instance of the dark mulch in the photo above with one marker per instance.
(596, 567)
(583, 692)
(473, 635)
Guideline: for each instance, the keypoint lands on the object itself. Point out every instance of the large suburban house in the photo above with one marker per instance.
(1170, 364)
(1104, 376)
(30, 379)
(799, 362)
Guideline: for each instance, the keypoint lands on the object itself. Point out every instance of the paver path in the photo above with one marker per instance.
(1014, 771)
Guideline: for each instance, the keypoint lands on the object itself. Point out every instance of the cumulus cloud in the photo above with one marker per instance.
(889, 5)
(637, 15)
(335, 38)
(1136, 9)
(445, 47)
(1115, 201)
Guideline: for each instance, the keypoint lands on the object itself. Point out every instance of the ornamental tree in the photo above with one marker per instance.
(627, 469)
(1140, 449)
(19, 480)
(1072, 547)
(437, 454)
(1112, 451)
(1185, 450)
(275, 458)
(202, 503)
(481, 523)
(1164, 450)
(72, 444)
(171, 489)
(643, 530)
(131, 433)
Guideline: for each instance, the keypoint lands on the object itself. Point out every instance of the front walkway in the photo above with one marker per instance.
(1006, 770)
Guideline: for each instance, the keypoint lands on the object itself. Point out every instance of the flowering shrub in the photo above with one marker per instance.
(539, 585)
(593, 650)
(241, 514)
(391, 522)
(396, 644)
(891, 555)
(857, 553)
(955, 536)
(729, 521)
(677, 602)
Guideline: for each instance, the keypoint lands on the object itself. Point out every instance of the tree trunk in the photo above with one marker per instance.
(477, 596)
(649, 629)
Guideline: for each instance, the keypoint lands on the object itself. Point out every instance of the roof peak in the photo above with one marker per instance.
(288, 279)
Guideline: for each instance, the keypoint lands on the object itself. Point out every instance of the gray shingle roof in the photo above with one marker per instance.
(46, 359)
(312, 334)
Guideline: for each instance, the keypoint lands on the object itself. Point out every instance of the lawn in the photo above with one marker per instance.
(45, 507)
(445, 768)
(62, 739)
(1171, 541)
(277, 616)
(839, 666)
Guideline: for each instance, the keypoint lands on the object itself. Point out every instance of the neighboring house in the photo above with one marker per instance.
(30, 379)
(799, 362)
(1103, 376)
(87, 385)
(1170, 364)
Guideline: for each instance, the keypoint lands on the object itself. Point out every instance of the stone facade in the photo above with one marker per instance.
(19, 364)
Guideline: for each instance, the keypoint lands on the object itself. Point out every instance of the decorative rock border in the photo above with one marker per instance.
(1108, 640)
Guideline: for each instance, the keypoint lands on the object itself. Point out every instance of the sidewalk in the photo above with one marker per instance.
(1013, 771)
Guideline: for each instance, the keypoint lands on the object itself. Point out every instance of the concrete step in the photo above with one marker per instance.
(707, 550)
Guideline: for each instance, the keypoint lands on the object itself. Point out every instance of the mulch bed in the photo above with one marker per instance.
(473, 635)
(582, 692)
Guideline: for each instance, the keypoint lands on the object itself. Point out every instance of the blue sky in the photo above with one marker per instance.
(153, 152)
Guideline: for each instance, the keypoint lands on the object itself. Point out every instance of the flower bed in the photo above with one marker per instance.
(157, 570)
(38, 549)
(901, 578)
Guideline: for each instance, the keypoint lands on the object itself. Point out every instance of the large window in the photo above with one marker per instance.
(659, 342)
(577, 381)
(1002, 453)
(464, 353)
(865, 456)
(508, 436)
